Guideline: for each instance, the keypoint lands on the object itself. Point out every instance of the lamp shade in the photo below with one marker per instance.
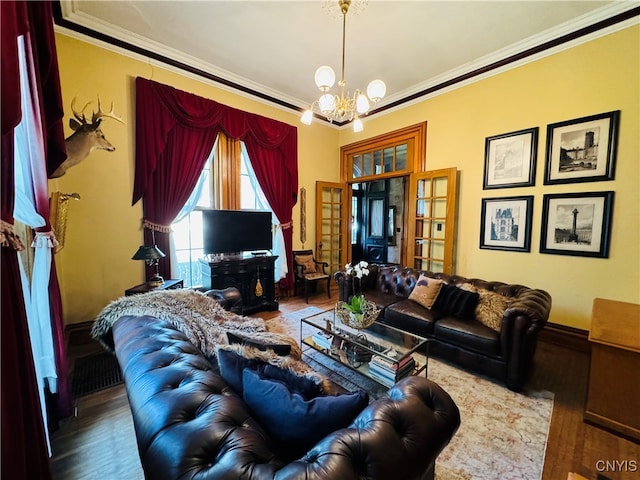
(325, 78)
(307, 117)
(376, 90)
(327, 103)
(362, 104)
(357, 125)
(148, 252)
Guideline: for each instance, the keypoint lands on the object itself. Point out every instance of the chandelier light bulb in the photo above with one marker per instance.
(357, 125)
(376, 90)
(327, 103)
(362, 103)
(307, 116)
(325, 78)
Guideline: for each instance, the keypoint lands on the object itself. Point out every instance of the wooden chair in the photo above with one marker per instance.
(308, 270)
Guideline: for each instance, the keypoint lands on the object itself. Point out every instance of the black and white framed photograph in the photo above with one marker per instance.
(582, 150)
(577, 224)
(510, 159)
(506, 223)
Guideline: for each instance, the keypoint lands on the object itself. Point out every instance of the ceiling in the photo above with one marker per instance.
(270, 49)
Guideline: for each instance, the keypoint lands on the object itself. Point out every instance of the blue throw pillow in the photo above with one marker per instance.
(231, 366)
(294, 423)
(456, 302)
(295, 383)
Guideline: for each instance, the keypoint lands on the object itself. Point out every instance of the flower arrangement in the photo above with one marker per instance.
(358, 312)
(357, 272)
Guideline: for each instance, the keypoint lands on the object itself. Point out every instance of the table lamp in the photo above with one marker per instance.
(151, 254)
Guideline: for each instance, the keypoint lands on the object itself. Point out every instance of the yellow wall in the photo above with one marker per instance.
(595, 77)
(104, 231)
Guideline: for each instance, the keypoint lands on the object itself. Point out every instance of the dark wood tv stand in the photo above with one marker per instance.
(243, 272)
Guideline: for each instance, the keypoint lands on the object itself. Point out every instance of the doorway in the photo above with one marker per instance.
(378, 220)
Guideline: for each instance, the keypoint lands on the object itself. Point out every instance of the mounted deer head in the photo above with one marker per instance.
(87, 136)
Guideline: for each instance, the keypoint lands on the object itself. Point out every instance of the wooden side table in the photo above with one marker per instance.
(614, 390)
(144, 287)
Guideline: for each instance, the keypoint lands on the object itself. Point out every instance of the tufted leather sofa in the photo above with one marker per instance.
(506, 355)
(189, 424)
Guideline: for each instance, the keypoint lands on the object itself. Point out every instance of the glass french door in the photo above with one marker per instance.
(331, 227)
(433, 215)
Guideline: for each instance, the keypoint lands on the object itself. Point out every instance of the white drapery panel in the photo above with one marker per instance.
(280, 268)
(30, 170)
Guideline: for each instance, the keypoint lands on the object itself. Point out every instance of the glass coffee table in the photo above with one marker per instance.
(380, 352)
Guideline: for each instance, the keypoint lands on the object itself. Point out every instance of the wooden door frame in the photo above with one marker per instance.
(344, 244)
(417, 135)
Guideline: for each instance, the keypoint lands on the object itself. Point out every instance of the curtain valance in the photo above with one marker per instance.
(164, 107)
(175, 132)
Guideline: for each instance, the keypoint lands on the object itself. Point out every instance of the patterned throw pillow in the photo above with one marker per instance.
(308, 265)
(426, 291)
(491, 306)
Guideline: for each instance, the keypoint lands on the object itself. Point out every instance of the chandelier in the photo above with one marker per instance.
(343, 108)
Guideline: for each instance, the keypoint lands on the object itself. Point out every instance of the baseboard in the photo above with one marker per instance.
(78, 334)
(568, 337)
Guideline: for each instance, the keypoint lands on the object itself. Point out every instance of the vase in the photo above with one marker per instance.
(357, 320)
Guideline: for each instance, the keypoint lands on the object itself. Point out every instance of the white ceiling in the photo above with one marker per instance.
(274, 47)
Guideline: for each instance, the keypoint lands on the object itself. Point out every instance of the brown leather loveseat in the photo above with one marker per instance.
(503, 350)
(189, 423)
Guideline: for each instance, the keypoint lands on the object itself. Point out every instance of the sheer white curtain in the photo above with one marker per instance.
(30, 152)
(188, 207)
(281, 267)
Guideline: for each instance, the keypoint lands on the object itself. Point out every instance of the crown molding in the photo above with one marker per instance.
(603, 21)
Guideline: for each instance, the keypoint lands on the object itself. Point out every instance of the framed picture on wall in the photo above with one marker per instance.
(577, 224)
(506, 223)
(510, 159)
(582, 150)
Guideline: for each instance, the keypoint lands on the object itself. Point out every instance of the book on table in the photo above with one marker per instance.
(393, 360)
(322, 339)
(386, 377)
(392, 370)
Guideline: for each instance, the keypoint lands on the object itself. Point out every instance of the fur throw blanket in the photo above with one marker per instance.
(195, 314)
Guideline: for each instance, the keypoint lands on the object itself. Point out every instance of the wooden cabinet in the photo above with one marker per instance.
(614, 390)
(243, 272)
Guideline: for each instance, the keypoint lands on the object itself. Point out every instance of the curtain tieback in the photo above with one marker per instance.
(284, 226)
(8, 238)
(156, 226)
(45, 239)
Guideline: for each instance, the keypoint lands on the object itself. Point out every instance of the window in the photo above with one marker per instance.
(187, 230)
(249, 189)
(187, 239)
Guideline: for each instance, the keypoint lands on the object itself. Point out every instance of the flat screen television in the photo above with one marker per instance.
(236, 231)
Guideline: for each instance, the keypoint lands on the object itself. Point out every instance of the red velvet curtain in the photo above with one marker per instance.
(24, 448)
(175, 132)
(47, 76)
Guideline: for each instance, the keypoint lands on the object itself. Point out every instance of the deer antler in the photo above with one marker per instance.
(79, 115)
(100, 114)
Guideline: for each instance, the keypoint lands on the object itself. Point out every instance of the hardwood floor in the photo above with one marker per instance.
(572, 446)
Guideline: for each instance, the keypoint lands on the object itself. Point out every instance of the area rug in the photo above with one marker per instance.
(95, 372)
(502, 435)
